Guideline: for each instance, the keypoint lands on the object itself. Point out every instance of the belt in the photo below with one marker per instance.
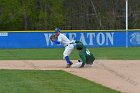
(68, 44)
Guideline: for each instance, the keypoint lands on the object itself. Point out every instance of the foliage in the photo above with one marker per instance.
(31, 14)
(67, 14)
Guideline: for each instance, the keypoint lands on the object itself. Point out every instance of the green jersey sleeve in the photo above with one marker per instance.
(83, 58)
(82, 55)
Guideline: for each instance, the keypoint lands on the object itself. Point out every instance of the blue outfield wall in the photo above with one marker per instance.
(90, 39)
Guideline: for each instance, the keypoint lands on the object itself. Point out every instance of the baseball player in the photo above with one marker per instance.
(60, 38)
(85, 55)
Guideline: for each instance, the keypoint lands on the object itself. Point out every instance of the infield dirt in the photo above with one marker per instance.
(122, 75)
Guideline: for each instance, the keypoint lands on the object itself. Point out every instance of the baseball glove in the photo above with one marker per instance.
(53, 37)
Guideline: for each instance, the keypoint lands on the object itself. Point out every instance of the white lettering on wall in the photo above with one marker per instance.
(91, 38)
(72, 36)
(3, 34)
(109, 38)
(82, 39)
(100, 38)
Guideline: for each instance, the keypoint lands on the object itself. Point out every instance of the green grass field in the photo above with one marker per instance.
(24, 81)
(57, 54)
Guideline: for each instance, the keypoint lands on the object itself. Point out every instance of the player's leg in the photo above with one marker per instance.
(66, 54)
(69, 49)
(81, 63)
(77, 65)
(90, 59)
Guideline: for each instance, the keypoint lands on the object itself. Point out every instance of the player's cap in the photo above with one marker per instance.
(57, 29)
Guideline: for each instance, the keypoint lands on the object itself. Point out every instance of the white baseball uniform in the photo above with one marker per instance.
(67, 44)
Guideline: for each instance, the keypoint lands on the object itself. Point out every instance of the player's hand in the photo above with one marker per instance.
(72, 41)
(52, 38)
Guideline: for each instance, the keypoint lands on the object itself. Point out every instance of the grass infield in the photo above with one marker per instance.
(57, 54)
(35, 81)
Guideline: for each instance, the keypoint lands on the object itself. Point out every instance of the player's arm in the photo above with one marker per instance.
(56, 41)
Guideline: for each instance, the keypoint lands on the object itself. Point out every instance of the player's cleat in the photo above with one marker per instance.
(83, 64)
(69, 65)
(79, 60)
(91, 63)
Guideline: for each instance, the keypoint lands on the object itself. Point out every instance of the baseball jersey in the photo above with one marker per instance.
(63, 39)
(85, 55)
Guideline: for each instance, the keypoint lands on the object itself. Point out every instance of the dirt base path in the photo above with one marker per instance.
(122, 75)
